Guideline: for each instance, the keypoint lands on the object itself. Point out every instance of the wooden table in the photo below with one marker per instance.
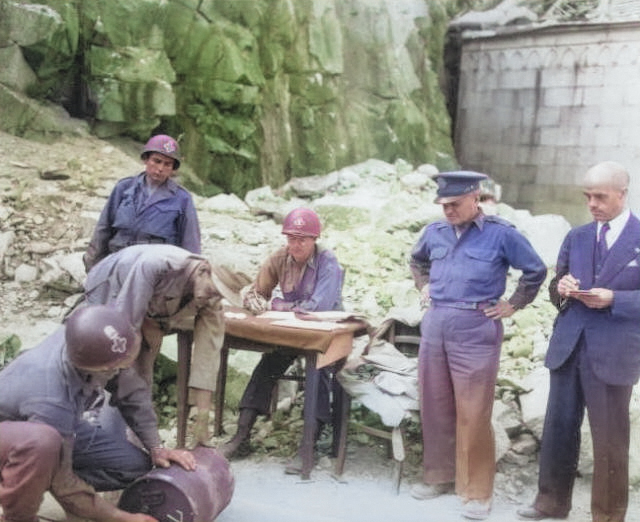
(320, 348)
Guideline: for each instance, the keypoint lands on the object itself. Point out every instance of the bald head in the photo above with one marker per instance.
(605, 188)
(607, 174)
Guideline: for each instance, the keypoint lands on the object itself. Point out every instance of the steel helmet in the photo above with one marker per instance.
(165, 145)
(100, 338)
(301, 222)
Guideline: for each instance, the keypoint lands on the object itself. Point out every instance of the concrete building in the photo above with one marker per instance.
(537, 104)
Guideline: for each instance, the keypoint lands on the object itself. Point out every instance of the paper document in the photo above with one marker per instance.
(275, 314)
(333, 315)
(235, 315)
(308, 325)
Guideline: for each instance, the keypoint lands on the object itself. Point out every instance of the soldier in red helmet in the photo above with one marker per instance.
(310, 279)
(148, 208)
(64, 408)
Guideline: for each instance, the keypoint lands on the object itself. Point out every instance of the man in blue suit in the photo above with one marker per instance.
(594, 352)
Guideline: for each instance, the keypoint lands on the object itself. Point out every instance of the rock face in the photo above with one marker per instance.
(259, 91)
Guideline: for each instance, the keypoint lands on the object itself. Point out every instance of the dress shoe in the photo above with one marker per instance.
(531, 513)
(428, 491)
(477, 510)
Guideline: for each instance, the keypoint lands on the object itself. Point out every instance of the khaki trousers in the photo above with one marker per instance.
(458, 366)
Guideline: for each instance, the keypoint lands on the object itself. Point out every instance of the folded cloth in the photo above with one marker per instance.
(384, 380)
(385, 355)
(396, 384)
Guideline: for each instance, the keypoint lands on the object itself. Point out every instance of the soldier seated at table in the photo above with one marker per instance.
(161, 289)
(310, 279)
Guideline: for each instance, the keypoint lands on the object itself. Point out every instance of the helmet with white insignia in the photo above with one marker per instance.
(99, 338)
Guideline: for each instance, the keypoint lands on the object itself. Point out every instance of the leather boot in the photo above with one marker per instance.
(200, 430)
(240, 440)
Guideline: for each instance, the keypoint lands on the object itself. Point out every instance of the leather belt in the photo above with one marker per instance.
(464, 305)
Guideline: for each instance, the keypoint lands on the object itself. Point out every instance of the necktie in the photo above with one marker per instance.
(601, 246)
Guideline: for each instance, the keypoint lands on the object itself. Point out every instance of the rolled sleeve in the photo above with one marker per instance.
(132, 396)
(522, 256)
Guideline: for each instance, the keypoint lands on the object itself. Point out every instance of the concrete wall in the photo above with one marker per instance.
(536, 108)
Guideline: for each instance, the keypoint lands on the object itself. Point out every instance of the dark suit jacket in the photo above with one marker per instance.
(612, 335)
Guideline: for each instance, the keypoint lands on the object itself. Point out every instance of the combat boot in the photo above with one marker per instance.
(200, 429)
(239, 443)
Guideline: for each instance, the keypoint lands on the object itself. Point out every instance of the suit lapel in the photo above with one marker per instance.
(624, 250)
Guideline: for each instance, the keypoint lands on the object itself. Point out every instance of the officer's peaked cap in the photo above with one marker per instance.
(453, 185)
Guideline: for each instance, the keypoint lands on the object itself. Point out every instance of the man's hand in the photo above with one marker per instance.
(596, 298)
(163, 457)
(568, 284)
(253, 301)
(425, 300)
(500, 310)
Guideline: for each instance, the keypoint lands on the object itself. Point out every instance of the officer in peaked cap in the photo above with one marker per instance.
(460, 267)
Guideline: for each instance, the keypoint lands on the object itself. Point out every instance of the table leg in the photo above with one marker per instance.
(342, 409)
(311, 384)
(220, 390)
(185, 340)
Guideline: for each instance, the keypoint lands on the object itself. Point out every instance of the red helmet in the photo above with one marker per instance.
(99, 338)
(165, 145)
(301, 222)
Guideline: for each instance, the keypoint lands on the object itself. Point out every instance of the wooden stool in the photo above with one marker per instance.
(407, 340)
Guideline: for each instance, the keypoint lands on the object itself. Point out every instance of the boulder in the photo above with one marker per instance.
(502, 441)
(48, 38)
(312, 186)
(534, 402)
(263, 201)
(15, 72)
(28, 24)
(6, 240)
(507, 417)
(25, 273)
(73, 265)
(225, 203)
(415, 181)
(121, 23)
(26, 117)
(545, 232)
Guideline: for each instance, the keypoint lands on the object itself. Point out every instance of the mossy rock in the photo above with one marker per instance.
(343, 218)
